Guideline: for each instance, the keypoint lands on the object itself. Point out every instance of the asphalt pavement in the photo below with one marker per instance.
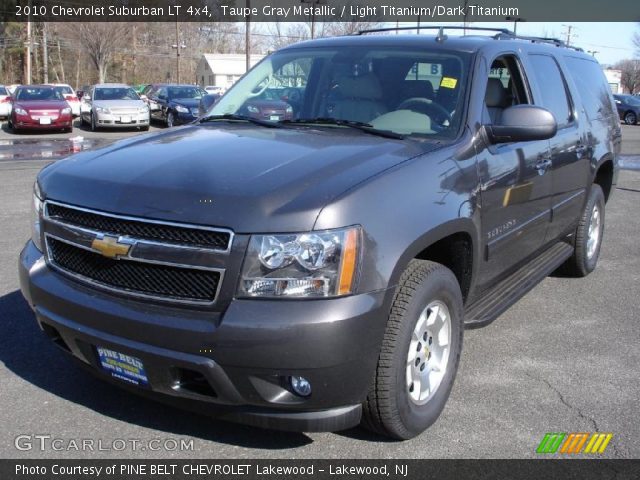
(565, 358)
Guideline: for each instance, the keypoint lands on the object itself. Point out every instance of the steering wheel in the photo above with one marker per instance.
(433, 110)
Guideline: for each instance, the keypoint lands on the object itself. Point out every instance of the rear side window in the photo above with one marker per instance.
(552, 88)
(3, 91)
(592, 86)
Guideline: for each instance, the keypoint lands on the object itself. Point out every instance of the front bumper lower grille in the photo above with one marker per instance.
(146, 279)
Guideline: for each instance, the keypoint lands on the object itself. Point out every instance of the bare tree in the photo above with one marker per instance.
(101, 41)
(629, 74)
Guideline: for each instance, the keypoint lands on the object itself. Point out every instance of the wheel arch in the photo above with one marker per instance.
(453, 244)
(604, 175)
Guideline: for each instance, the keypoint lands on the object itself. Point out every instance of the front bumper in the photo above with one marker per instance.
(185, 117)
(242, 357)
(113, 120)
(27, 123)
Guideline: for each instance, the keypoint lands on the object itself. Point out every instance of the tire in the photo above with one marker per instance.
(145, 128)
(170, 119)
(82, 121)
(94, 126)
(390, 408)
(588, 236)
(630, 118)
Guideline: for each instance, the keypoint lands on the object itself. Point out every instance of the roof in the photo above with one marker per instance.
(462, 43)
(111, 85)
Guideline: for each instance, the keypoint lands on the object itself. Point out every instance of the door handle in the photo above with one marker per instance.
(581, 150)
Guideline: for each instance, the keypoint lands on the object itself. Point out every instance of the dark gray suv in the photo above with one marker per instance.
(318, 272)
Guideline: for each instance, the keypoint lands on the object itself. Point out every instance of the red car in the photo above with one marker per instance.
(269, 106)
(40, 107)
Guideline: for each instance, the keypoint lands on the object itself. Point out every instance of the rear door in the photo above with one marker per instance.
(570, 150)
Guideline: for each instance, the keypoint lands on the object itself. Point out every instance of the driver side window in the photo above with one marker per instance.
(505, 88)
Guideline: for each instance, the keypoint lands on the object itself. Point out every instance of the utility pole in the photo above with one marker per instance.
(178, 46)
(569, 34)
(45, 54)
(313, 3)
(247, 39)
(27, 79)
(135, 45)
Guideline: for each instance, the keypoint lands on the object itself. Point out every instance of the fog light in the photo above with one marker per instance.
(301, 386)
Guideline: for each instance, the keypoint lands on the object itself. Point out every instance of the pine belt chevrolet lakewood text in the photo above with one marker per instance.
(317, 270)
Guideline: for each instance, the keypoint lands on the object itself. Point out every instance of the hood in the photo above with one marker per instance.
(119, 103)
(186, 102)
(248, 178)
(41, 104)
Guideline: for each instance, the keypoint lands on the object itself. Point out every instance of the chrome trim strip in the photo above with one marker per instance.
(93, 282)
(568, 199)
(141, 220)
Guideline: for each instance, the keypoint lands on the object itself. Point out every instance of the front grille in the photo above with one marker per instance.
(139, 229)
(185, 284)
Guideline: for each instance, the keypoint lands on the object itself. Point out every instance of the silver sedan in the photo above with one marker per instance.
(111, 105)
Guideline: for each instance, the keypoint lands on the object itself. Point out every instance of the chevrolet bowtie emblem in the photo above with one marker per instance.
(110, 247)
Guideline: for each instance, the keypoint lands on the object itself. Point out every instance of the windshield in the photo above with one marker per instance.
(118, 93)
(38, 93)
(405, 91)
(184, 92)
(65, 90)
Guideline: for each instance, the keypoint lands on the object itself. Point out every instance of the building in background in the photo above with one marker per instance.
(222, 69)
(614, 80)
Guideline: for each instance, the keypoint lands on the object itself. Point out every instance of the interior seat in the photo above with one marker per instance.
(496, 99)
(361, 99)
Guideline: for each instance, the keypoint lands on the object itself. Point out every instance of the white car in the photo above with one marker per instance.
(5, 102)
(214, 89)
(70, 96)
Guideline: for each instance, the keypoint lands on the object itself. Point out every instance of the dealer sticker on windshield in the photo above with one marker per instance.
(123, 367)
(448, 82)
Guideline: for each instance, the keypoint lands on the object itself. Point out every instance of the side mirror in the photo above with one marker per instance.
(523, 123)
(143, 98)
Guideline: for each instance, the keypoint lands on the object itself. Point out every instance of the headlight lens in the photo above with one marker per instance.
(314, 264)
(144, 109)
(65, 111)
(253, 109)
(182, 109)
(102, 110)
(36, 217)
(20, 111)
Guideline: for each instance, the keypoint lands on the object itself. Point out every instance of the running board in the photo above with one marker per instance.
(495, 301)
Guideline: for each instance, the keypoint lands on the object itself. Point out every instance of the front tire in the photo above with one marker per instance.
(588, 236)
(630, 118)
(420, 353)
(170, 119)
(94, 126)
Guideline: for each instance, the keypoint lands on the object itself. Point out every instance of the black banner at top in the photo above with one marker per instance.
(318, 10)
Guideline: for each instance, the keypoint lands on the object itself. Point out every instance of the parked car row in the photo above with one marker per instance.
(114, 105)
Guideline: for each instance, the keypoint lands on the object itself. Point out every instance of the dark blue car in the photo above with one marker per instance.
(178, 104)
(628, 108)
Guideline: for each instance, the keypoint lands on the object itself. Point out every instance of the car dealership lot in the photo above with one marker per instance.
(563, 359)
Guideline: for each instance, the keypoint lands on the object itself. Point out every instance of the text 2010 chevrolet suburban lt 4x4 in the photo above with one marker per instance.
(317, 272)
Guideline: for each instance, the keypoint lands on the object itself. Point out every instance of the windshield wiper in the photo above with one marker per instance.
(240, 118)
(362, 126)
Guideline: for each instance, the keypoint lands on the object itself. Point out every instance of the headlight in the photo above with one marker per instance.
(20, 111)
(102, 110)
(144, 109)
(65, 111)
(181, 109)
(253, 109)
(314, 264)
(289, 109)
(36, 217)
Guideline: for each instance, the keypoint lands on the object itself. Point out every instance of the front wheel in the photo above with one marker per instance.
(420, 353)
(94, 126)
(588, 236)
(630, 118)
(170, 119)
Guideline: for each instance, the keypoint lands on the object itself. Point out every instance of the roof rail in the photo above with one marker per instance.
(553, 41)
(440, 29)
